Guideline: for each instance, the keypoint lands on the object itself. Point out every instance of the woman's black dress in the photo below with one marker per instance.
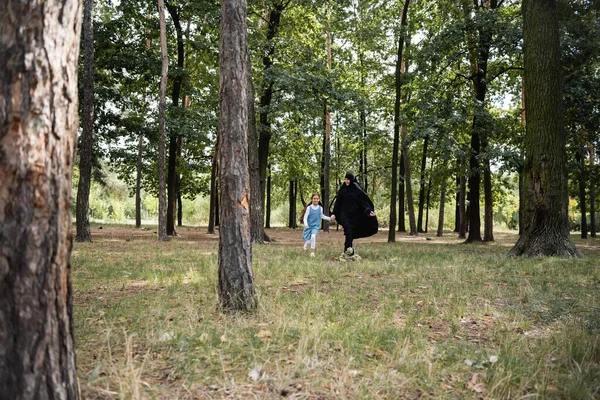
(352, 208)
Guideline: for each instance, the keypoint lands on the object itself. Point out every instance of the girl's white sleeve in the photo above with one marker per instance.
(306, 212)
(323, 216)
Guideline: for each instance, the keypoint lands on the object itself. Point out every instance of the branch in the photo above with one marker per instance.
(505, 70)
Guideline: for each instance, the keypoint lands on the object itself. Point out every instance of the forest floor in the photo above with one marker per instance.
(424, 317)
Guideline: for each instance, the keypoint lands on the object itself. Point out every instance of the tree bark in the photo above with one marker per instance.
(87, 134)
(408, 183)
(236, 281)
(462, 208)
(593, 180)
(546, 231)
(399, 76)
(440, 229)
(39, 49)
(139, 165)
(327, 136)
(214, 171)
(401, 203)
(422, 186)
(293, 196)
(488, 213)
(582, 183)
(257, 210)
(264, 129)
(162, 197)
(173, 136)
(457, 206)
(268, 205)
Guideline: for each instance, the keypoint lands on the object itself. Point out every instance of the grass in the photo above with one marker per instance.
(415, 319)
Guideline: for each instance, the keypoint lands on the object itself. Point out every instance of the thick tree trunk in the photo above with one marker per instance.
(440, 229)
(87, 134)
(173, 136)
(521, 201)
(462, 207)
(401, 203)
(39, 49)
(264, 126)
(236, 281)
(399, 76)
(422, 186)
(546, 231)
(162, 105)
(427, 202)
(593, 180)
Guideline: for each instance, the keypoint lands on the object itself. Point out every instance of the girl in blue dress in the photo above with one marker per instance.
(313, 214)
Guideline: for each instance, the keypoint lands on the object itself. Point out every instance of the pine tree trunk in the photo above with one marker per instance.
(488, 218)
(399, 76)
(327, 137)
(162, 195)
(138, 183)
(39, 48)
(87, 134)
(546, 231)
(236, 281)
(408, 184)
(440, 230)
(521, 201)
(292, 205)
(422, 186)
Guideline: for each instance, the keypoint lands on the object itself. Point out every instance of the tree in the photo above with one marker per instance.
(85, 149)
(38, 130)
(546, 227)
(236, 281)
(162, 198)
(397, 123)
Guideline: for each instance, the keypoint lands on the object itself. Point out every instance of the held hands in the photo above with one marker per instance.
(332, 218)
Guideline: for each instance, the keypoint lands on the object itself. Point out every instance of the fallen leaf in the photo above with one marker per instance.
(255, 374)
(263, 334)
(475, 385)
(469, 362)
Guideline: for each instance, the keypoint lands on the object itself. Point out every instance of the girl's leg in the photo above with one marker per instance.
(313, 241)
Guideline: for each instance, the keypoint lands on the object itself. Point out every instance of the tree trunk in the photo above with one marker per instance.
(292, 202)
(521, 201)
(488, 214)
(408, 183)
(327, 136)
(427, 202)
(257, 210)
(264, 129)
(39, 48)
(162, 197)
(138, 183)
(268, 209)
(462, 208)
(87, 134)
(173, 136)
(440, 229)
(401, 203)
(236, 281)
(214, 171)
(593, 180)
(582, 182)
(546, 231)
(422, 186)
(457, 206)
(399, 76)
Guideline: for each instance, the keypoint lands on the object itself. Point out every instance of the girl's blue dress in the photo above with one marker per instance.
(314, 222)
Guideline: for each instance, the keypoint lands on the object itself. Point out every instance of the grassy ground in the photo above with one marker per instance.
(415, 319)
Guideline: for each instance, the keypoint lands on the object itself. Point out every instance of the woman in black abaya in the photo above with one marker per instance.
(355, 212)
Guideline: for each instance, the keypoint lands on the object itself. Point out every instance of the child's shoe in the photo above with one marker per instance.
(355, 257)
(312, 254)
(343, 257)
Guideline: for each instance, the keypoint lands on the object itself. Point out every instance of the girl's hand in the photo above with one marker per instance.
(332, 218)
(306, 226)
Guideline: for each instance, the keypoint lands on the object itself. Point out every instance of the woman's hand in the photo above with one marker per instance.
(372, 214)
(332, 218)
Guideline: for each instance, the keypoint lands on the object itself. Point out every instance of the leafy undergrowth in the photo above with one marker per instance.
(425, 317)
